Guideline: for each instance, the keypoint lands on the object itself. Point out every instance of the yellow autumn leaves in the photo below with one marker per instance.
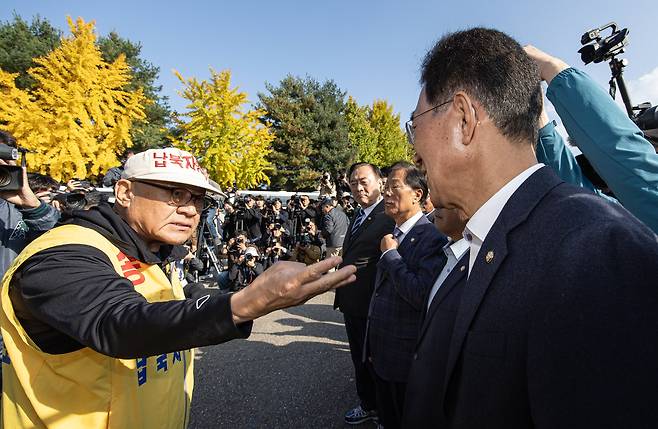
(231, 143)
(79, 116)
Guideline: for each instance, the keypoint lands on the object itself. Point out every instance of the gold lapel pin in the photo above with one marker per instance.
(490, 256)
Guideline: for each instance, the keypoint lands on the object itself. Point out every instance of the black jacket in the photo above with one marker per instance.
(426, 380)
(252, 223)
(362, 250)
(69, 297)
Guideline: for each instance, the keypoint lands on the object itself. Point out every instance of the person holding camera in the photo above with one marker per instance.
(276, 214)
(608, 138)
(24, 216)
(302, 210)
(252, 219)
(342, 184)
(236, 247)
(347, 203)
(310, 246)
(276, 244)
(246, 269)
(230, 224)
(326, 187)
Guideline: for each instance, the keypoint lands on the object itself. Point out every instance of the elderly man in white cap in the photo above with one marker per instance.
(97, 335)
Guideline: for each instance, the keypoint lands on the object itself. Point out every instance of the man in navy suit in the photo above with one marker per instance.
(425, 383)
(410, 260)
(556, 326)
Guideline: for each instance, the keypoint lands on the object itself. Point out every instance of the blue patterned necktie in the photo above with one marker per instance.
(397, 232)
(359, 220)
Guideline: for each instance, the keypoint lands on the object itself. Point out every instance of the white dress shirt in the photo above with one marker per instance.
(481, 222)
(372, 206)
(405, 228)
(407, 225)
(454, 252)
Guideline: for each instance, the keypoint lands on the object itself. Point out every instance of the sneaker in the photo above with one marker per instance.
(359, 415)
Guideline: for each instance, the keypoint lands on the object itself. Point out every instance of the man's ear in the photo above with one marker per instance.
(123, 192)
(419, 196)
(467, 110)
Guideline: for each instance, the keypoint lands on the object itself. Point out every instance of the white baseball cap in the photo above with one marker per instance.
(167, 165)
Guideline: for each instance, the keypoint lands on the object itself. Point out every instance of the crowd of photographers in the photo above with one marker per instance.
(251, 233)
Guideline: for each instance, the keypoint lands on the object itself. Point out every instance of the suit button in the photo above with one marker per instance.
(415, 356)
(370, 359)
(376, 293)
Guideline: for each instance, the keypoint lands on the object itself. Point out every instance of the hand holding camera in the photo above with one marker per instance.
(22, 197)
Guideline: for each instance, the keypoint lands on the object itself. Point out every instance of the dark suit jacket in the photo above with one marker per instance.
(558, 324)
(426, 379)
(404, 278)
(362, 250)
(252, 220)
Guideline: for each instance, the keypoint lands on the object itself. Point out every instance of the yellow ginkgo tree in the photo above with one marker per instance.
(78, 117)
(230, 141)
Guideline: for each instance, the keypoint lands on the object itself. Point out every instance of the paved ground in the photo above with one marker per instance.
(293, 372)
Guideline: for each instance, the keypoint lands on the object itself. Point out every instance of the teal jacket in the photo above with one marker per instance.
(612, 143)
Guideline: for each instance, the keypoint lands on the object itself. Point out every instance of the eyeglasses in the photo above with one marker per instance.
(409, 125)
(181, 196)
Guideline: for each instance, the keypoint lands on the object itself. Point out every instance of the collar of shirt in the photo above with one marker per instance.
(408, 224)
(454, 252)
(371, 207)
(480, 224)
(456, 248)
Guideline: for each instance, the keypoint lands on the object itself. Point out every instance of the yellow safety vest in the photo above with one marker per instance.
(85, 389)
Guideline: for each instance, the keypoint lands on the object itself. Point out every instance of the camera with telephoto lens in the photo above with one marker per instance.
(11, 176)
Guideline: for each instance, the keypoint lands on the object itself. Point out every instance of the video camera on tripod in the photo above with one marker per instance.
(597, 48)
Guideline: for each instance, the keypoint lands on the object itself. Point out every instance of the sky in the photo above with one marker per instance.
(372, 49)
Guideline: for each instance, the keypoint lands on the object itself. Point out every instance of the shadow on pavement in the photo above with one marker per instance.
(294, 371)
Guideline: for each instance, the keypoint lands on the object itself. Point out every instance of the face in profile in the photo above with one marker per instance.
(401, 201)
(436, 141)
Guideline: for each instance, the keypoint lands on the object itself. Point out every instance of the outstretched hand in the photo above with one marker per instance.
(287, 284)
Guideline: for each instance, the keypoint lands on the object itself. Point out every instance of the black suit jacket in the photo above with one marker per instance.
(558, 324)
(426, 379)
(362, 250)
(404, 278)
